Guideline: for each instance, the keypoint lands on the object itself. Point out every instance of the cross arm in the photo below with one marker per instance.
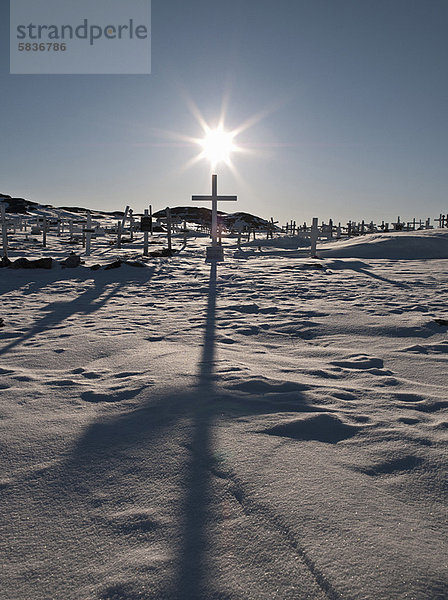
(210, 198)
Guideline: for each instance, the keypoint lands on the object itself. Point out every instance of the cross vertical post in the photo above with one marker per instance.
(168, 227)
(214, 252)
(88, 232)
(4, 231)
(44, 233)
(145, 236)
(313, 237)
(214, 210)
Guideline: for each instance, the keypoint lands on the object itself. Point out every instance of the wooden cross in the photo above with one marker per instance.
(214, 198)
(441, 221)
(4, 230)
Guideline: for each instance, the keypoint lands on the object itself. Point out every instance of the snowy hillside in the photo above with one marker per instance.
(395, 245)
(272, 426)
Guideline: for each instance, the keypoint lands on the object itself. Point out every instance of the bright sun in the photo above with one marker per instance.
(217, 146)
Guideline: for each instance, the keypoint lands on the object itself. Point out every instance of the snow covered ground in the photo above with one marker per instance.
(270, 427)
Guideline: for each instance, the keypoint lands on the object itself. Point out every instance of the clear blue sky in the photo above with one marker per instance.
(355, 96)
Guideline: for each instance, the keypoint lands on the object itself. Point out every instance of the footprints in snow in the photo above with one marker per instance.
(440, 348)
(115, 389)
(234, 318)
(134, 522)
(265, 386)
(90, 386)
(418, 402)
(324, 427)
(362, 362)
(111, 395)
(392, 465)
(260, 395)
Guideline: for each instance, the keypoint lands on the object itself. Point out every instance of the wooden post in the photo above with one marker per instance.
(131, 223)
(314, 234)
(145, 236)
(4, 230)
(185, 231)
(119, 231)
(271, 228)
(125, 216)
(150, 214)
(168, 226)
(330, 229)
(44, 233)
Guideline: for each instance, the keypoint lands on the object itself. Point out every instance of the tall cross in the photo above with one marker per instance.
(214, 199)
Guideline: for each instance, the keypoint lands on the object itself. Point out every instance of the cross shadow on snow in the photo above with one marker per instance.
(193, 549)
(363, 268)
(86, 303)
(108, 450)
(108, 446)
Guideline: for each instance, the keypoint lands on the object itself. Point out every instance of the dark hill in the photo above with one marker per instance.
(203, 216)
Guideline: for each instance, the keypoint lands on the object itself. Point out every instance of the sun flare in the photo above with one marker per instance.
(217, 146)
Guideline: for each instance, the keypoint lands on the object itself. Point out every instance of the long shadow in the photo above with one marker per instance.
(33, 279)
(193, 550)
(111, 442)
(354, 265)
(110, 447)
(85, 303)
(361, 267)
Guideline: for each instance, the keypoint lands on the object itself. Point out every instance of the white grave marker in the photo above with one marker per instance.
(88, 231)
(314, 236)
(145, 234)
(214, 252)
(168, 227)
(4, 230)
